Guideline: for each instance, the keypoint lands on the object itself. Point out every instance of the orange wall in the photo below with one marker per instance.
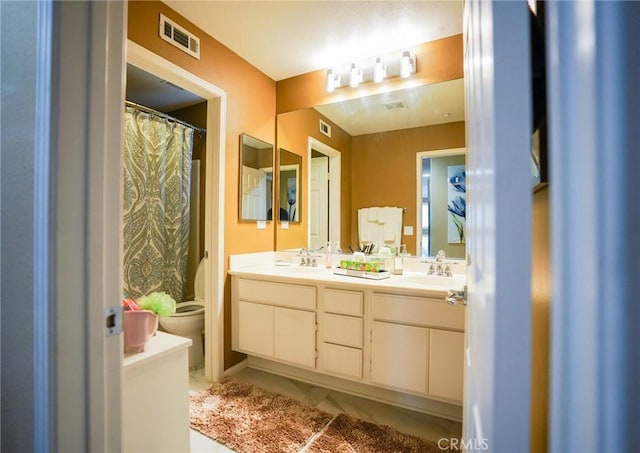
(383, 170)
(437, 61)
(294, 128)
(251, 101)
(541, 299)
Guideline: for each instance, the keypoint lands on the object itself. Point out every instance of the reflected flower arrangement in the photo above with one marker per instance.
(457, 205)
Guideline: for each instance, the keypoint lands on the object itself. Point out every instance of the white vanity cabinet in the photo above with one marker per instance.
(417, 345)
(342, 332)
(275, 320)
(382, 339)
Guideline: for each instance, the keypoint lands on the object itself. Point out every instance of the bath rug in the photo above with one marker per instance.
(346, 434)
(249, 419)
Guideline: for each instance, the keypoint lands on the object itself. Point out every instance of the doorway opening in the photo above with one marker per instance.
(324, 194)
(213, 172)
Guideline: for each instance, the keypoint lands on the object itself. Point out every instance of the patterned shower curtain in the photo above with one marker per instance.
(157, 173)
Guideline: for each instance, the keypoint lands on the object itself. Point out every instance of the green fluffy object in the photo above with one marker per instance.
(160, 303)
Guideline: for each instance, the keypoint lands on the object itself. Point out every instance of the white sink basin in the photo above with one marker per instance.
(296, 270)
(434, 281)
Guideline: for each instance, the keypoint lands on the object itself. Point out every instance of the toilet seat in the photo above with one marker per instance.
(189, 308)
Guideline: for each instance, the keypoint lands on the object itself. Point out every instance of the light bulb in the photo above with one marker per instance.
(355, 76)
(406, 65)
(379, 71)
(333, 81)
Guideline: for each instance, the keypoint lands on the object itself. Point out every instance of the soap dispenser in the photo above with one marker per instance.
(327, 255)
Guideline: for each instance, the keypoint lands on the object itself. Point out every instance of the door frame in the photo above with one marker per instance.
(214, 205)
(498, 315)
(335, 178)
(419, 156)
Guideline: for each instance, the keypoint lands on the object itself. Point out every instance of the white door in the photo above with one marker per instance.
(254, 193)
(319, 206)
(498, 331)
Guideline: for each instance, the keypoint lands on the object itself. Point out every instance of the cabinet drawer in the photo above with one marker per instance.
(280, 294)
(342, 360)
(343, 302)
(418, 311)
(343, 330)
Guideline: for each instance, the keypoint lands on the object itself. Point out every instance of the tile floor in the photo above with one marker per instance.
(333, 402)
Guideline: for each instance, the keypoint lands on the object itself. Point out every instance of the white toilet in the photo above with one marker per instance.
(188, 320)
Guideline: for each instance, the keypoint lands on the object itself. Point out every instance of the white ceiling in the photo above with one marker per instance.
(287, 38)
(420, 106)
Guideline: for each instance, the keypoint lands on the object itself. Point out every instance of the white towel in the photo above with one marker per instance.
(366, 229)
(392, 226)
(382, 226)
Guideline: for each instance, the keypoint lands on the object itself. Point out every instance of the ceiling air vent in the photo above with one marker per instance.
(392, 105)
(179, 37)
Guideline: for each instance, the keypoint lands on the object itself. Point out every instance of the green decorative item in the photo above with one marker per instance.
(160, 303)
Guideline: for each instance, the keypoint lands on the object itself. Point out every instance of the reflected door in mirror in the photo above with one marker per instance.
(289, 186)
(256, 178)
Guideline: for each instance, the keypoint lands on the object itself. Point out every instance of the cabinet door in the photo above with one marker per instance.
(446, 364)
(295, 336)
(255, 326)
(399, 356)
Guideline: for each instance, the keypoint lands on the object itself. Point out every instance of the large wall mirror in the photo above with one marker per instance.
(289, 186)
(256, 178)
(379, 138)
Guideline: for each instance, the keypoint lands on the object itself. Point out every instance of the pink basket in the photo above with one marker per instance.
(139, 326)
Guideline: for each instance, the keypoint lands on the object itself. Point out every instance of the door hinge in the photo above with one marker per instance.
(112, 321)
(457, 295)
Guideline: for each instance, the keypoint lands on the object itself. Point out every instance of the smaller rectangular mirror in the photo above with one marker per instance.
(289, 183)
(256, 178)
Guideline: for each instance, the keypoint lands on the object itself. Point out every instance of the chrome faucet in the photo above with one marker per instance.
(439, 267)
(307, 259)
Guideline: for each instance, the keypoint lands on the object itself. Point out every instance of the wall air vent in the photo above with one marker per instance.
(325, 128)
(179, 37)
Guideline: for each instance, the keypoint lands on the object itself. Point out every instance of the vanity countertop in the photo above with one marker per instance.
(411, 282)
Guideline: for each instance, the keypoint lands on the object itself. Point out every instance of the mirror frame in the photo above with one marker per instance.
(450, 152)
(244, 140)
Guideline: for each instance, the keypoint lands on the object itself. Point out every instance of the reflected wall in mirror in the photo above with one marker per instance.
(289, 186)
(380, 138)
(256, 178)
(441, 208)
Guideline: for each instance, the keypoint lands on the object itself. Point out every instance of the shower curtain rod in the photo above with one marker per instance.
(165, 116)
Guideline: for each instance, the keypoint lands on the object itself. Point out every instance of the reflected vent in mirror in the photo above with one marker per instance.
(393, 105)
(179, 37)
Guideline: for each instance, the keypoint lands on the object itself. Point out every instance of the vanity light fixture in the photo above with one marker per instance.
(407, 64)
(355, 76)
(333, 81)
(379, 70)
(369, 71)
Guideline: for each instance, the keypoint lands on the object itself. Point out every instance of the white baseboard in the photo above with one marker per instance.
(382, 395)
